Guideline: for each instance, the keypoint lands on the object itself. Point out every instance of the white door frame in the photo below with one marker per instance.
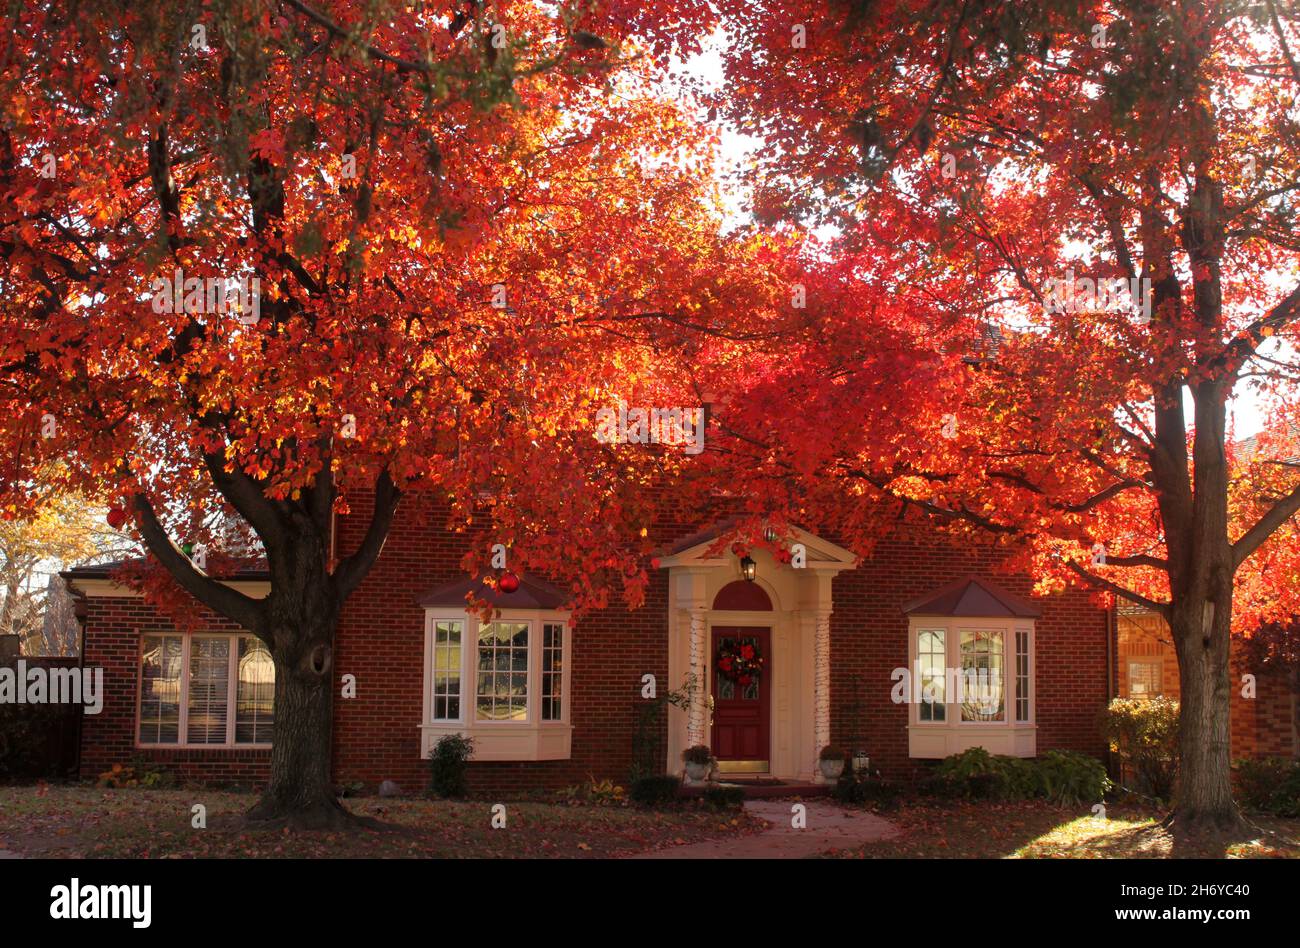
(801, 607)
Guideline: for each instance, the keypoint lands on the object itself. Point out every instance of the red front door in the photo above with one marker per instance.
(741, 702)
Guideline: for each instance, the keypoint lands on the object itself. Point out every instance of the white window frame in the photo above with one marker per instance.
(528, 739)
(232, 693)
(1155, 663)
(937, 739)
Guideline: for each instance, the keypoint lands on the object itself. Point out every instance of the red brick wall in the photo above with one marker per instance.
(381, 641)
(1261, 726)
(869, 640)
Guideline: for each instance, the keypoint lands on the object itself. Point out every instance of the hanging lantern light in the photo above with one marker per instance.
(748, 568)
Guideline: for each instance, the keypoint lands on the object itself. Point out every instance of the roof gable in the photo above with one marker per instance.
(695, 548)
(533, 593)
(972, 597)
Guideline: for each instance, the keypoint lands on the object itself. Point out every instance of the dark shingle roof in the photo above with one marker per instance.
(533, 593)
(972, 597)
(253, 571)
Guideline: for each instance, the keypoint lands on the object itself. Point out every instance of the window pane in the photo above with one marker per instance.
(933, 659)
(1144, 679)
(446, 670)
(209, 690)
(160, 689)
(503, 665)
(1022, 675)
(981, 675)
(552, 671)
(255, 693)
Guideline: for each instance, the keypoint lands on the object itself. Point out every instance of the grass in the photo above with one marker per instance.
(1038, 830)
(81, 821)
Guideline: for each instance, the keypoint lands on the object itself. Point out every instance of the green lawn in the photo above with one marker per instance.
(88, 821)
(1030, 830)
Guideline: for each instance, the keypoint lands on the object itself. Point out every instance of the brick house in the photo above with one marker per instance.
(1262, 726)
(551, 702)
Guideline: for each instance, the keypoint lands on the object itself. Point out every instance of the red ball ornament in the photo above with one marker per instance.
(116, 518)
(508, 582)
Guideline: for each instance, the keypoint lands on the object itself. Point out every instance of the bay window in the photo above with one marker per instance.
(503, 683)
(973, 685)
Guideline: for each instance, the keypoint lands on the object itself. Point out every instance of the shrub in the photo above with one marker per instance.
(654, 791)
(25, 734)
(138, 773)
(831, 752)
(698, 754)
(603, 792)
(856, 788)
(977, 774)
(1271, 785)
(1144, 733)
(1072, 778)
(1061, 776)
(940, 787)
(448, 765)
(725, 798)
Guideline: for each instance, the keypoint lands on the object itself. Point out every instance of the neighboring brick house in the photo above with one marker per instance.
(1262, 726)
(551, 702)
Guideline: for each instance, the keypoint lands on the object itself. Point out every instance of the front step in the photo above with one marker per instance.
(764, 789)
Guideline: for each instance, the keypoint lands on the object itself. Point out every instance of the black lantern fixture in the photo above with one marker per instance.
(748, 568)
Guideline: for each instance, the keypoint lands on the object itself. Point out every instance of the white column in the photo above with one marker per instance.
(697, 718)
(821, 688)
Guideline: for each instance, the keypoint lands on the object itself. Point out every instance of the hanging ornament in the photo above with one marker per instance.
(508, 582)
(116, 518)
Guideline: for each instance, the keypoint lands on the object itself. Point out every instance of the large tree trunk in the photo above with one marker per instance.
(301, 791)
(1201, 631)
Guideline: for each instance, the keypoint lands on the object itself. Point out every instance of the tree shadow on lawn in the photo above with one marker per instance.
(1030, 830)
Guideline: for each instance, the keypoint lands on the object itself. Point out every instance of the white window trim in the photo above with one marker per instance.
(232, 693)
(936, 739)
(529, 739)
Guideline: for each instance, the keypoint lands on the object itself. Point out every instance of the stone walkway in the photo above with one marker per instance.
(828, 827)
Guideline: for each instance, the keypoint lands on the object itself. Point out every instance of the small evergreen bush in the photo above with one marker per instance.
(449, 764)
(654, 791)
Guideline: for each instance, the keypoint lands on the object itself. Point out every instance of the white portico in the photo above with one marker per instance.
(777, 723)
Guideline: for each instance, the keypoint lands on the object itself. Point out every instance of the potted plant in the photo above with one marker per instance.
(831, 761)
(699, 761)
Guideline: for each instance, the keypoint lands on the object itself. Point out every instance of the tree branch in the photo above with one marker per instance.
(1264, 527)
(217, 596)
(1093, 579)
(353, 568)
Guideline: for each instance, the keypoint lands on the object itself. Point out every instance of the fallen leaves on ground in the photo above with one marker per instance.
(79, 821)
(1036, 830)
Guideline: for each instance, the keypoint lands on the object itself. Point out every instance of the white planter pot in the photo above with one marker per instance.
(831, 769)
(698, 772)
